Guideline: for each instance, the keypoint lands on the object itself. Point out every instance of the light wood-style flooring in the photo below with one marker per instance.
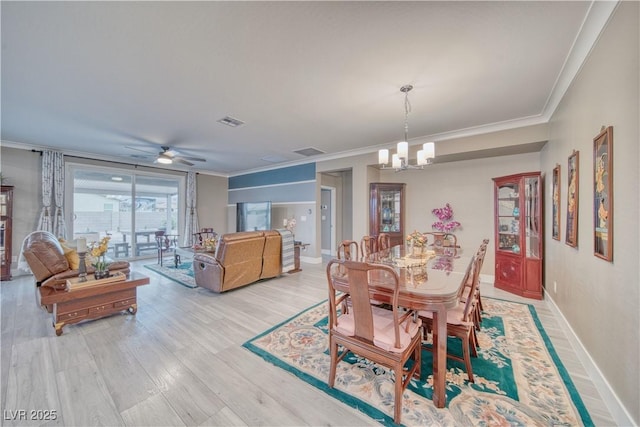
(180, 360)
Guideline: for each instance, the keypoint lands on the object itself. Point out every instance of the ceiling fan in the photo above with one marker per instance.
(168, 156)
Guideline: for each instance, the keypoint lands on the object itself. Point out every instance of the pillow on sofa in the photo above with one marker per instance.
(72, 256)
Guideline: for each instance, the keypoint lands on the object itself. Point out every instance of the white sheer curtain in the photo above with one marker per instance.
(59, 225)
(45, 222)
(191, 217)
(52, 217)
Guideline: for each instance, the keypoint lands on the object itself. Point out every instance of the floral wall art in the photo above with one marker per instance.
(555, 204)
(571, 237)
(603, 195)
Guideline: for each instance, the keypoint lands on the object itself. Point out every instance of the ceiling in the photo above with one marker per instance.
(97, 78)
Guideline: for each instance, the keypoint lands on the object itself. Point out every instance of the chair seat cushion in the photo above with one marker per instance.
(454, 316)
(383, 335)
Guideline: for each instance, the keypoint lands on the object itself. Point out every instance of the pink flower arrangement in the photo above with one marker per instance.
(444, 264)
(445, 224)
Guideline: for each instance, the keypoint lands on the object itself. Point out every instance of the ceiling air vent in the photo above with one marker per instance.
(230, 121)
(309, 151)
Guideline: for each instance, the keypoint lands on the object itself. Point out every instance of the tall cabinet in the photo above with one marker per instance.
(386, 210)
(6, 214)
(519, 234)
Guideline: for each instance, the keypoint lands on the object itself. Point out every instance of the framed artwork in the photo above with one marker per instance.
(571, 234)
(555, 203)
(603, 194)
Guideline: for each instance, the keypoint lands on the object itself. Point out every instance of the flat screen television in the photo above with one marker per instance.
(253, 216)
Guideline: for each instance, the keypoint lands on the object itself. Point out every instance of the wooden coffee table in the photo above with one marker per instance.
(92, 300)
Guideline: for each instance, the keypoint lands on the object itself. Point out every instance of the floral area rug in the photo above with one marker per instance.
(519, 379)
(183, 274)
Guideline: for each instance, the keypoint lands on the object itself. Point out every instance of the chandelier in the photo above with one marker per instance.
(400, 160)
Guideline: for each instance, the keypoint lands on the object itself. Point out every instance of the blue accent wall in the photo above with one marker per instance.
(306, 172)
(280, 193)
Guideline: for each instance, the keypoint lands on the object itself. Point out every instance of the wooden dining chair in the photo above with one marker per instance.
(384, 241)
(460, 322)
(204, 234)
(477, 314)
(163, 244)
(368, 245)
(348, 249)
(387, 337)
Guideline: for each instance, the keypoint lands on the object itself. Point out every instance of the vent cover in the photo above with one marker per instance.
(309, 151)
(230, 121)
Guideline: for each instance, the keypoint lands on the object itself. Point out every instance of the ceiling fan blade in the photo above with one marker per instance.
(144, 150)
(183, 161)
(193, 159)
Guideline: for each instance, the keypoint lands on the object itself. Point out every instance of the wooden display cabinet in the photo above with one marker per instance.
(386, 210)
(6, 218)
(519, 234)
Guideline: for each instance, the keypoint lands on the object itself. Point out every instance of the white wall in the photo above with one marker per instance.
(601, 300)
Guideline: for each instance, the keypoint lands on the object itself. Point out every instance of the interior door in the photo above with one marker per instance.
(326, 210)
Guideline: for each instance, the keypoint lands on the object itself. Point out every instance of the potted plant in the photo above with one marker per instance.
(99, 251)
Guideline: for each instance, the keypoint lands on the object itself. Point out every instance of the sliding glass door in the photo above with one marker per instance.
(129, 206)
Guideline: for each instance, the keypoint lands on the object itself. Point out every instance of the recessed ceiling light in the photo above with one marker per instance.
(116, 178)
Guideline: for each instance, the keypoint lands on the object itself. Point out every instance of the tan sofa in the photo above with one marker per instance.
(49, 265)
(240, 259)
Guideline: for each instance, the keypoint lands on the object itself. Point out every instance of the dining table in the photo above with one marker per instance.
(431, 281)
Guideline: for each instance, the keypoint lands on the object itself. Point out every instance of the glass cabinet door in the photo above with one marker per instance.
(386, 210)
(3, 228)
(509, 217)
(390, 211)
(518, 234)
(532, 216)
(6, 212)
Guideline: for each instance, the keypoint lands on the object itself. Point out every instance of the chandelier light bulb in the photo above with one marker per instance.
(395, 162)
(403, 150)
(422, 159)
(383, 156)
(429, 150)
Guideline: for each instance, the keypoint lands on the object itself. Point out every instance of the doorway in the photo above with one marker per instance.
(328, 220)
(127, 206)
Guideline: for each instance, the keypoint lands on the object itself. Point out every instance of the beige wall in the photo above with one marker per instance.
(212, 202)
(466, 185)
(21, 168)
(600, 300)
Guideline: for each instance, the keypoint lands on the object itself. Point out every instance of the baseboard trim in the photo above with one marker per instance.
(311, 260)
(489, 279)
(618, 411)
